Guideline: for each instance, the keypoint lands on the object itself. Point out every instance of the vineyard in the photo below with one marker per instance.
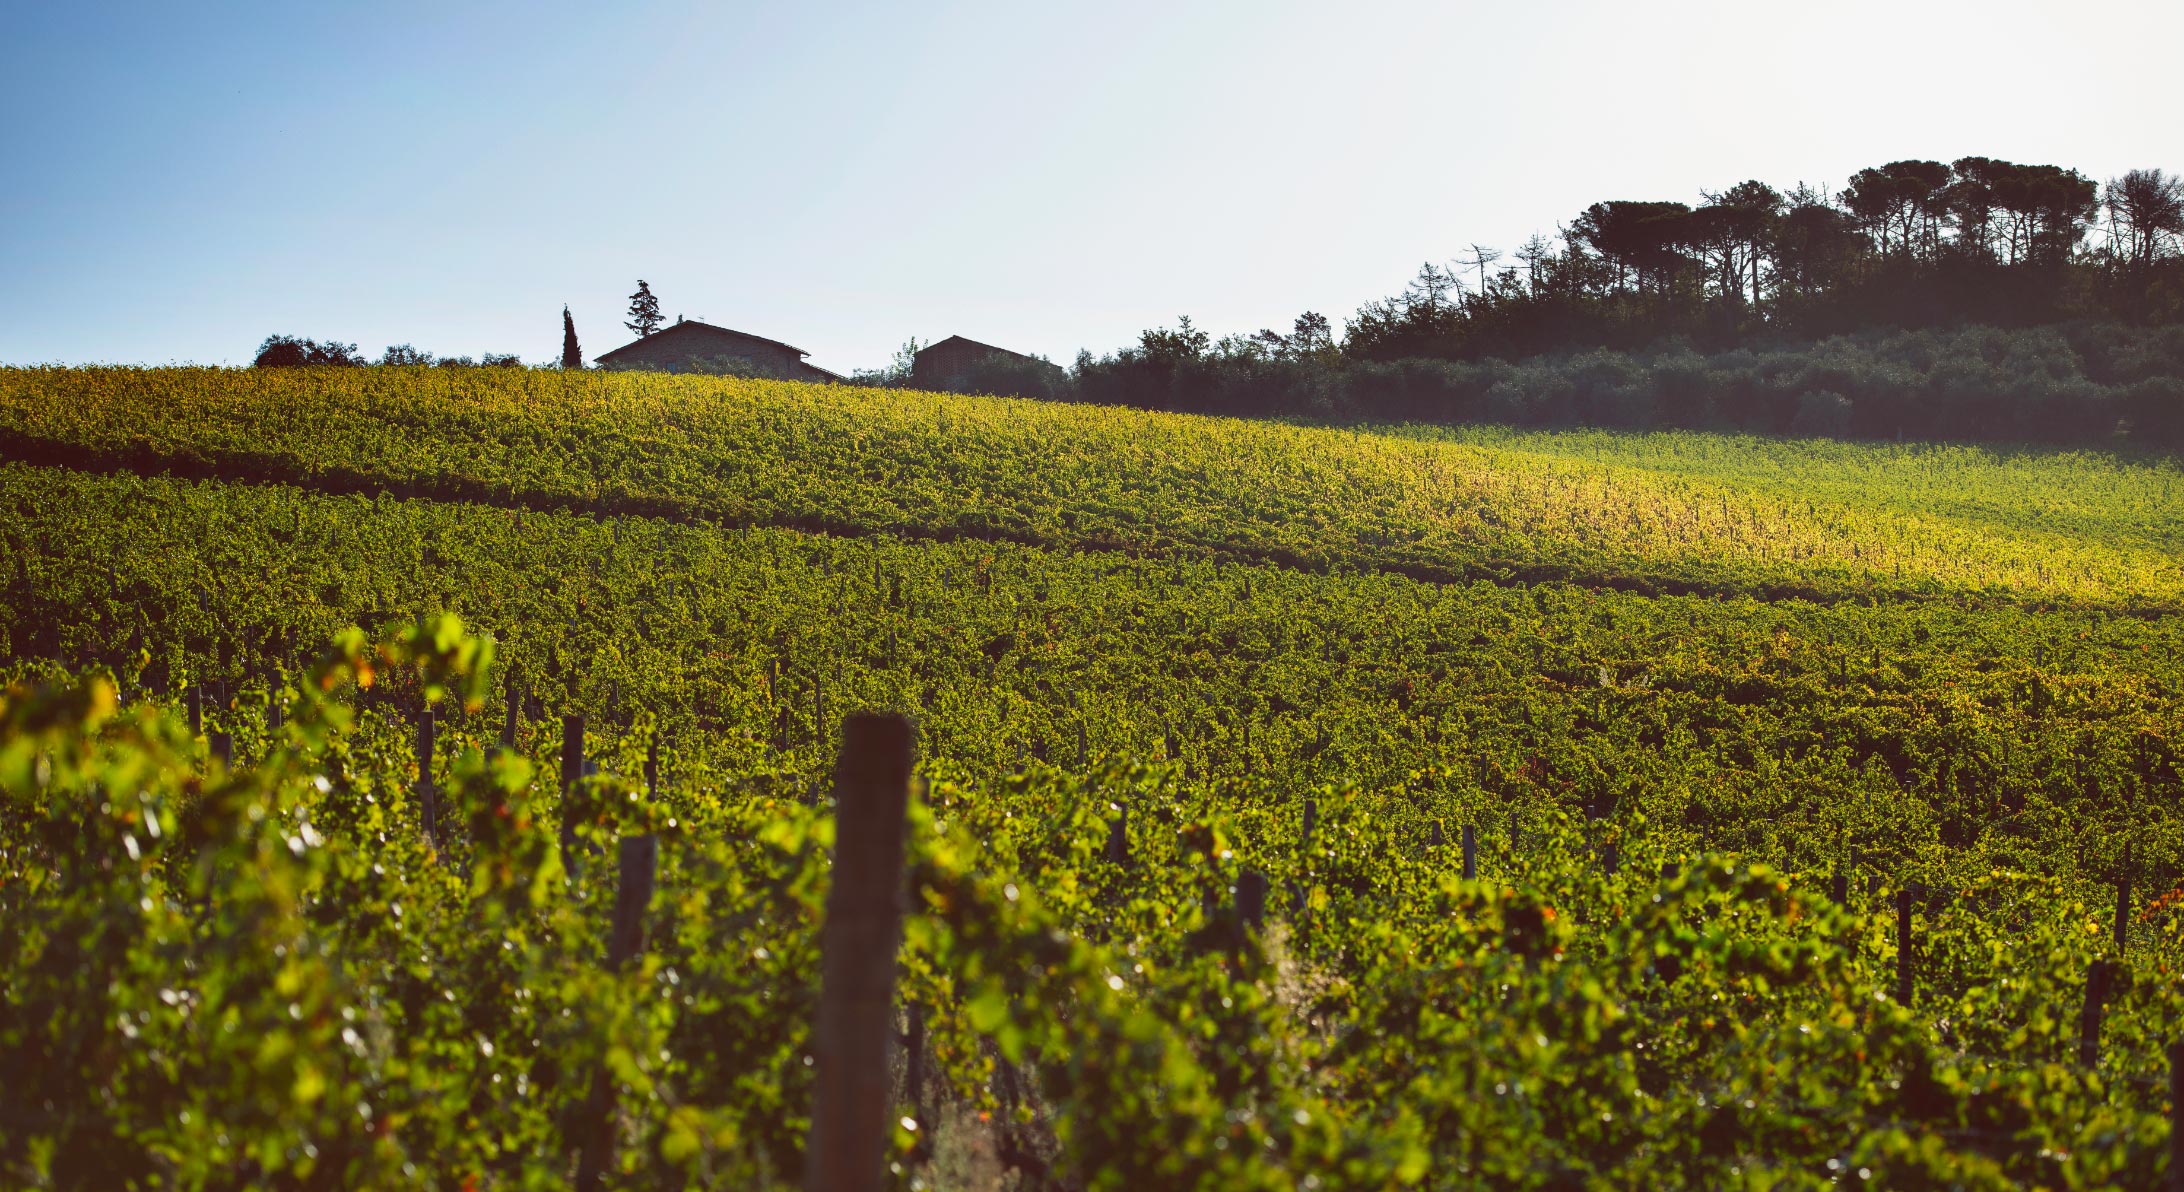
(414, 778)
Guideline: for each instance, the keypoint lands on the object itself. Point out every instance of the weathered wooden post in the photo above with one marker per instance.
(1839, 888)
(1903, 946)
(223, 747)
(196, 703)
(2123, 901)
(1611, 859)
(1471, 853)
(639, 861)
(428, 796)
(638, 864)
(572, 773)
(779, 705)
(652, 764)
(2098, 977)
(1297, 895)
(846, 1148)
(515, 712)
(1250, 902)
(1118, 836)
(914, 1074)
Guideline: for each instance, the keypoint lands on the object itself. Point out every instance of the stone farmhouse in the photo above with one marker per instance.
(689, 346)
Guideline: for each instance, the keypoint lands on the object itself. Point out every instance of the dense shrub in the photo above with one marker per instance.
(289, 351)
(2081, 383)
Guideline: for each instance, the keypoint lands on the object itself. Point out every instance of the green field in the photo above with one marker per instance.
(1677, 684)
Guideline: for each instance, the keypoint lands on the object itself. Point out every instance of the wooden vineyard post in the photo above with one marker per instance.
(1250, 903)
(652, 764)
(572, 772)
(1118, 837)
(639, 863)
(197, 710)
(1611, 859)
(1903, 947)
(515, 711)
(1297, 895)
(846, 1149)
(428, 796)
(638, 859)
(2123, 901)
(1471, 853)
(1839, 888)
(223, 747)
(914, 1069)
(780, 707)
(2098, 976)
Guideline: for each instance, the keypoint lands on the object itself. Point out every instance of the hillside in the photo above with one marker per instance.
(1660, 512)
(1704, 704)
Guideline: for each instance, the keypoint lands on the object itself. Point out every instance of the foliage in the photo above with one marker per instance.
(896, 373)
(1150, 657)
(1662, 513)
(1924, 278)
(644, 311)
(1911, 244)
(2095, 384)
(398, 355)
(288, 351)
(265, 976)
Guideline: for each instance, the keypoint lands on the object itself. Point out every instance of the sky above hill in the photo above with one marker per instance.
(1046, 177)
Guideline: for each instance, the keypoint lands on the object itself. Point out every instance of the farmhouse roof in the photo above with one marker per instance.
(970, 343)
(693, 324)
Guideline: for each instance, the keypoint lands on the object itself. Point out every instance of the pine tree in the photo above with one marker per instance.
(571, 355)
(644, 311)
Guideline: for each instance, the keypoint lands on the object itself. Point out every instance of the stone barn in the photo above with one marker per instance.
(689, 346)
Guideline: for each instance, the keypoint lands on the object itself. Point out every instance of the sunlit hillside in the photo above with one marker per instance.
(1666, 512)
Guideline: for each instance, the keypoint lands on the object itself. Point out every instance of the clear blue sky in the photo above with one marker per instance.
(181, 180)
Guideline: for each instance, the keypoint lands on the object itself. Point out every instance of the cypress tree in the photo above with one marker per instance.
(571, 355)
